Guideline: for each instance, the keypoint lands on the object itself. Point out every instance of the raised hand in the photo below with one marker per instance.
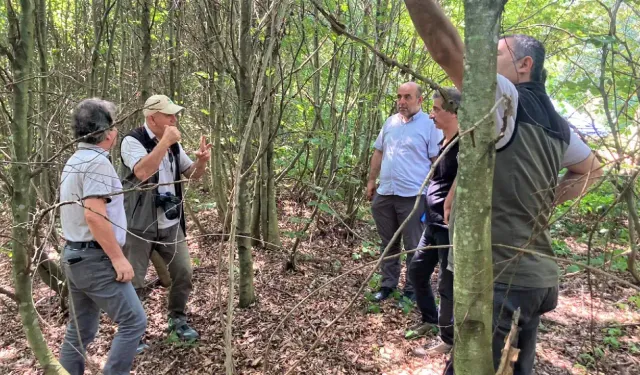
(204, 152)
(171, 135)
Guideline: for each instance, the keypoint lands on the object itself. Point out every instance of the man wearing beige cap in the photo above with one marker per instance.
(153, 161)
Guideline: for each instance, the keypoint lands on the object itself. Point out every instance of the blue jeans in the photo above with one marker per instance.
(93, 287)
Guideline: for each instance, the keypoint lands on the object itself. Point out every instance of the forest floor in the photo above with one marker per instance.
(583, 335)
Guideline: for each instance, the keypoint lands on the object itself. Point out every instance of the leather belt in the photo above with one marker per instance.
(84, 245)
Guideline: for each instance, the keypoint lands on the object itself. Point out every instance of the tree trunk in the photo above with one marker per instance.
(256, 208)
(112, 37)
(43, 120)
(218, 173)
(273, 230)
(21, 35)
(472, 231)
(145, 68)
(245, 95)
(174, 53)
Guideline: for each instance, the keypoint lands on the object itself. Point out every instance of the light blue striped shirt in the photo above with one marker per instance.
(406, 152)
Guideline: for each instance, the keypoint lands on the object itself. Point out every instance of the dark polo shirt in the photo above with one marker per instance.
(441, 183)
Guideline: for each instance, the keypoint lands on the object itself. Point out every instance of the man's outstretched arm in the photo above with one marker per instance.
(440, 37)
(578, 178)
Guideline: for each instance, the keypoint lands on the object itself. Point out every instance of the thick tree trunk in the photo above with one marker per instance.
(21, 34)
(473, 291)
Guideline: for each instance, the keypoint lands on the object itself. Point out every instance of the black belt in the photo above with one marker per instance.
(84, 245)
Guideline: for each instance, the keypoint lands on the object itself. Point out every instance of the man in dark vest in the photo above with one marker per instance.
(536, 145)
(153, 156)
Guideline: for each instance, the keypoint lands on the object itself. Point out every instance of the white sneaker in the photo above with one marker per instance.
(438, 349)
(441, 348)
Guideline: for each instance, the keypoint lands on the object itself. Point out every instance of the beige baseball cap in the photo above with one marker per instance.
(162, 104)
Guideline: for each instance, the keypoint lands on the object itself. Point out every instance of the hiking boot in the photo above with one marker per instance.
(182, 329)
(417, 330)
(382, 294)
(438, 349)
(142, 346)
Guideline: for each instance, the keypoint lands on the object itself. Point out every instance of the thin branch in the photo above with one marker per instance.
(340, 29)
(69, 144)
(9, 294)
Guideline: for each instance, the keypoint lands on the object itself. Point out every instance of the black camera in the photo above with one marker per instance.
(170, 204)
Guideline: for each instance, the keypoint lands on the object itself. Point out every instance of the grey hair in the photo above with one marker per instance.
(525, 45)
(91, 119)
(418, 90)
(453, 95)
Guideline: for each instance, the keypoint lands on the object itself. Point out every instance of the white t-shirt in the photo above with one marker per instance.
(132, 151)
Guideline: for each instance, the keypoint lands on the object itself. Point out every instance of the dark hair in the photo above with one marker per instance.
(453, 96)
(91, 119)
(525, 45)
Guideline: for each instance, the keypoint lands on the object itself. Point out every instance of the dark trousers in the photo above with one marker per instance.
(533, 302)
(420, 271)
(175, 254)
(389, 211)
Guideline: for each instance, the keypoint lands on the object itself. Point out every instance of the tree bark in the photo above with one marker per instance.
(245, 95)
(145, 68)
(41, 32)
(473, 291)
(21, 35)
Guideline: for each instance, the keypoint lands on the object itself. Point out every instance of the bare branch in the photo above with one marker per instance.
(9, 294)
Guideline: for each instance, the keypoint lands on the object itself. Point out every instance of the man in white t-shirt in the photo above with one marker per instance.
(153, 160)
(537, 144)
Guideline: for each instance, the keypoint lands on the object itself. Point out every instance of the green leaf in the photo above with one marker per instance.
(204, 75)
(599, 352)
(612, 342)
(373, 308)
(573, 268)
(325, 208)
(410, 334)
